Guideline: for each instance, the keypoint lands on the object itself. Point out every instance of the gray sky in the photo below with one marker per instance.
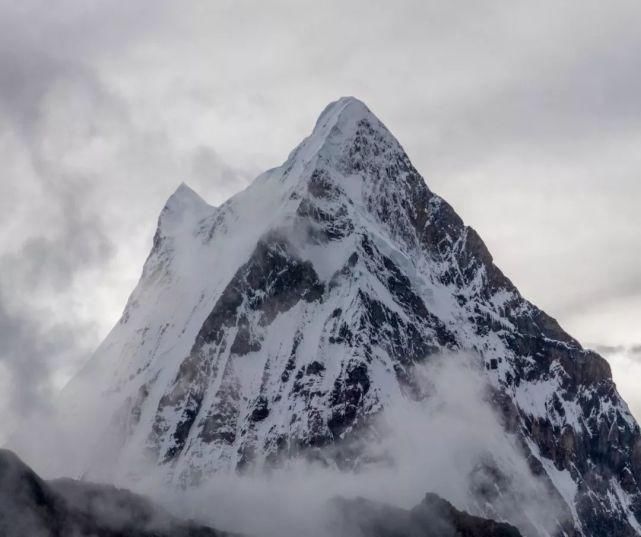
(526, 117)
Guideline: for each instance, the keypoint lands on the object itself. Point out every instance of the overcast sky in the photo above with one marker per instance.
(525, 116)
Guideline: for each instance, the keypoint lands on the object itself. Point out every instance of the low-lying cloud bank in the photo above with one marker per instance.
(451, 443)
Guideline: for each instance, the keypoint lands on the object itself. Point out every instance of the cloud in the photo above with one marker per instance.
(527, 120)
(633, 351)
(30, 349)
(71, 151)
(626, 371)
(443, 444)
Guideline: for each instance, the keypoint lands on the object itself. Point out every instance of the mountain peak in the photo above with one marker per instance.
(340, 120)
(181, 205)
(183, 196)
(346, 131)
(343, 109)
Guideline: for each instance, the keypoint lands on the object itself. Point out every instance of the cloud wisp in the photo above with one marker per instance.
(444, 444)
(527, 120)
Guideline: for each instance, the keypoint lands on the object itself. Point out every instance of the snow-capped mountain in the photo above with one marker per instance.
(280, 323)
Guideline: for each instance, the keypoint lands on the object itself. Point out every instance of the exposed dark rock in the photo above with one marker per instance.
(433, 517)
(261, 410)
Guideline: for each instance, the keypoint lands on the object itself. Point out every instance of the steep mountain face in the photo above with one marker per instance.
(280, 323)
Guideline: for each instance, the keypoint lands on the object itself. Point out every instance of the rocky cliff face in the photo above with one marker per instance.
(280, 323)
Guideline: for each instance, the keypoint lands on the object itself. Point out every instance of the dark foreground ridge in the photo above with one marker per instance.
(433, 517)
(32, 507)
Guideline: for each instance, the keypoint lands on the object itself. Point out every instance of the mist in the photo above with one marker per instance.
(521, 116)
(448, 443)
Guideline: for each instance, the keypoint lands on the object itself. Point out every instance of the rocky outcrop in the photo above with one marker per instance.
(434, 517)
